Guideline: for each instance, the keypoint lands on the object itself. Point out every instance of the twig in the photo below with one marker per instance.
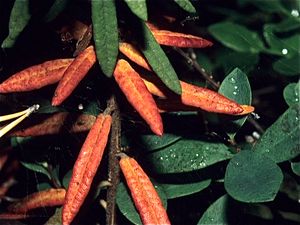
(195, 64)
(113, 163)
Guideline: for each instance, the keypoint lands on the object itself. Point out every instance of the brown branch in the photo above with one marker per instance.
(195, 64)
(113, 163)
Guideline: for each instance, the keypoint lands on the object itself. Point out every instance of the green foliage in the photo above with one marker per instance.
(256, 49)
(236, 87)
(105, 31)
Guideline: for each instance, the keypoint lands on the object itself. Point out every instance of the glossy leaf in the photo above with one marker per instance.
(105, 30)
(179, 190)
(237, 37)
(186, 5)
(236, 87)
(57, 7)
(19, 18)
(37, 168)
(158, 60)
(291, 93)
(139, 8)
(296, 167)
(224, 211)
(126, 204)
(248, 173)
(188, 154)
(288, 66)
(280, 142)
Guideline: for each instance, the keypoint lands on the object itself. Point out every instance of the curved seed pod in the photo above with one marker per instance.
(74, 74)
(56, 123)
(143, 193)
(51, 197)
(86, 167)
(37, 76)
(165, 37)
(138, 95)
(195, 96)
(134, 54)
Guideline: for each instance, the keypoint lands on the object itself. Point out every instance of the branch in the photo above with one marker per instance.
(113, 162)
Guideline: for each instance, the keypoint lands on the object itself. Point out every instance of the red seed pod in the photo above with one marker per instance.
(138, 95)
(86, 167)
(36, 77)
(143, 193)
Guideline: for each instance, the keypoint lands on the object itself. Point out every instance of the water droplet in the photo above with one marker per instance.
(80, 106)
(235, 87)
(297, 99)
(284, 51)
(297, 118)
(197, 154)
(232, 80)
(161, 158)
(295, 13)
(235, 93)
(268, 150)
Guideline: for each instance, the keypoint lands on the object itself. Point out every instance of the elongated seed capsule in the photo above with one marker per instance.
(86, 167)
(35, 77)
(74, 74)
(138, 95)
(143, 193)
(51, 197)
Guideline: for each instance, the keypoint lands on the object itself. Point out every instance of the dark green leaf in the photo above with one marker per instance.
(237, 37)
(188, 154)
(252, 177)
(57, 7)
(274, 6)
(289, 24)
(105, 30)
(19, 18)
(237, 88)
(56, 218)
(66, 179)
(37, 168)
(296, 167)
(43, 186)
(291, 93)
(139, 8)
(179, 190)
(288, 66)
(280, 142)
(224, 211)
(126, 204)
(158, 60)
(154, 142)
(186, 5)
(287, 47)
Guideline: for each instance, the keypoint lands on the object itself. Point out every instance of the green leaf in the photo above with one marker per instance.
(224, 211)
(287, 47)
(252, 177)
(36, 167)
(57, 7)
(139, 8)
(291, 93)
(105, 30)
(289, 24)
(43, 186)
(274, 6)
(186, 5)
(237, 37)
(66, 179)
(158, 59)
(288, 66)
(229, 59)
(296, 167)
(153, 142)
(189, 154)
(280, 142)
(179, 190)
(126, 204)
(19, 18)
(236, 87)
